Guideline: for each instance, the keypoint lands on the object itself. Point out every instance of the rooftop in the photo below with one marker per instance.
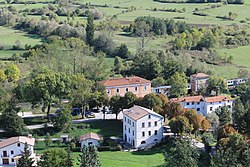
(18, 139)
(217, 99)
(201, 98)
(90, 135)
(124, 81)
(200, 75)
(138, 112)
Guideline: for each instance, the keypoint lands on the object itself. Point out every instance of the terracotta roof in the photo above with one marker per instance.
(90, 135)
(124, 81)
(200, 75)
(18, 139)
(217, 99)
(138, 112)
(188, 99)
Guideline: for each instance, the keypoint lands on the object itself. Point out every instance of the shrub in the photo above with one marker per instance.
(1, 47)
(116, 148)
(104, 148)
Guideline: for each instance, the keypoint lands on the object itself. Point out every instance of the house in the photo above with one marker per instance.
(198, 81)
(204, 105)
(165, 89)
(11, 149)
(90, 139)
(142, 127)
(120, 86)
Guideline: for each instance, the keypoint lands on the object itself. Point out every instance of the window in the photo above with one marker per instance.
(133, 133)
(187, 103)
(12, 152)
(220, 102)
(117, 90)
(133, 124)
(198, 103)
(128, 130)
(126, 89)
(211, 108)
(143, 125)
(149, 133)
(108, 91)
(192, 103)
(12, 159)
(211, 103)
(125, 128)
(125, 119)
(145, 87)
(149, 124)
(198, 109)
(155, 132)
(136, 88)
(143, 142)
(18, 144)
(143, 134)
(229, 106)
(90, 143)
(155, 123)
(149, 116)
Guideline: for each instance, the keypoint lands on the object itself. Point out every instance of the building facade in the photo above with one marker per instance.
(198, 81)
(11, 149)
(120, 86)
(204, 105)
(142, 127)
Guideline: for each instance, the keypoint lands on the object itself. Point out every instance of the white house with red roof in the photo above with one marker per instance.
(204, 105)
(11, 149)
(90, 139)
(120, 86)
(142, 127)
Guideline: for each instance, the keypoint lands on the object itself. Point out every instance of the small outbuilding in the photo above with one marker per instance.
(90, 139)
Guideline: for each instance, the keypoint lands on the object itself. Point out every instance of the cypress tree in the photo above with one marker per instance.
(90, 29)
(25, 160)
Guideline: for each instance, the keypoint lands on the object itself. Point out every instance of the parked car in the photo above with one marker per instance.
(75, 111)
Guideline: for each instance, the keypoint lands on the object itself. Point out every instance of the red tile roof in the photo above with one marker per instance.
(18, 139)
(90, 135)
(200, 98)
(188, 99)
(200, 75)
(124, 81)
(217, 99)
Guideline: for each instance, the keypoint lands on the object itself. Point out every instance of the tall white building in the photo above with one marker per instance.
(204, 105)
(11, 149)
(142, 127)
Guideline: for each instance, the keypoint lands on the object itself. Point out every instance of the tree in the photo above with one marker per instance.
(243, 73)
(46, 87)
(207, 139)
(178, 85)
(116, 104)
(142, 31)
(239, 116)
(118, 65)
(179, 125)
(146, 65)
(182, 154)
(12, 72)
(90, 29)
(47, 140)
(213, 119)
(128, 100)
(122, 51)
(3, 77)
(90, 157)
(25, 160)
(53, 158)
(205, 125)
(11, 123)
(159, 81)
(152, 101)
(62, 120)
(105, 44)
(217, 84)
(194, 119)
(224, 115)
(81, 91)
(173, 110)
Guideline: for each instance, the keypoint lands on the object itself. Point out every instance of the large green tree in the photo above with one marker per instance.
(182, 154)
(225, 116)
(217, 84)
(45, 87)
(116, 104)
(25, 160)
(240, 117)
(179, 125)
(53, 158)
(62, 120)
(178, 84)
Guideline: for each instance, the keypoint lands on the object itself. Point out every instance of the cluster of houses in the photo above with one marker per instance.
(141, 126)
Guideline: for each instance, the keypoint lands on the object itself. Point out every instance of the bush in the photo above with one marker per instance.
(104, 148)
(116, 148)
(72, 146)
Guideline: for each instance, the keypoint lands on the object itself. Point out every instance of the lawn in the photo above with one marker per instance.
(105, 128)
